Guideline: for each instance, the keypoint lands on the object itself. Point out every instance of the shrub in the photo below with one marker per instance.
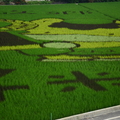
(83, 1)
(14, 1)
(19, 2)
(38, 2)
(6, 1)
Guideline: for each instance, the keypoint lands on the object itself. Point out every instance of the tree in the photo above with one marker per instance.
(19, 2)
(6, 1)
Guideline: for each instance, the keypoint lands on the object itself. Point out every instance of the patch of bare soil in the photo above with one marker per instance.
(7, 39)
(117, 84)
(68, 89)
(84, 26)
(5, 71)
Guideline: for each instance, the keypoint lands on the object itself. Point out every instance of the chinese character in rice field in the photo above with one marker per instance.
(4, 72)
(81, 78)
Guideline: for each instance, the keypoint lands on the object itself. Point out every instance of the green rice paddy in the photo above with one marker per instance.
(62, 74)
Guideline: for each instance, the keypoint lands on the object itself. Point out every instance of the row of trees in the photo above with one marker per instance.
(13, 1)
(83, 1)
(53, 1)
(70, 1)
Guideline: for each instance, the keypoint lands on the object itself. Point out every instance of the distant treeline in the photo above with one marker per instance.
(13, 1)
(83, 1)
(52, 1)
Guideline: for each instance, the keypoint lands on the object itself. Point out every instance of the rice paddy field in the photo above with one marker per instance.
(58, 60)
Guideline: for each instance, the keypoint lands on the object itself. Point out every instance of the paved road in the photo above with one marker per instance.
(109, 116)
(110, 113)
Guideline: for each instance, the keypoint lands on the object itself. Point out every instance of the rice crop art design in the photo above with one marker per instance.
(53, 40)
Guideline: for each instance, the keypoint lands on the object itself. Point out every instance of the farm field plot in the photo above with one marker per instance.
(58, 60)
